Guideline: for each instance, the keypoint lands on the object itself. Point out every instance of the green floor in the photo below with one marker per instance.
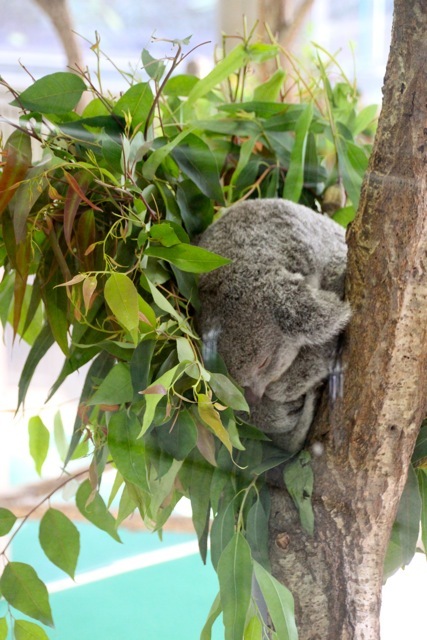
(167, 601)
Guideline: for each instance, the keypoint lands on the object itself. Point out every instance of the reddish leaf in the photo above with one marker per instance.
(156, 389)
(76, 192)
(78, 189)
(89, 287)
(206, 443)
(18, 160)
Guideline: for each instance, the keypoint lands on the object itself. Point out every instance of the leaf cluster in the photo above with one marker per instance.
(97, 246)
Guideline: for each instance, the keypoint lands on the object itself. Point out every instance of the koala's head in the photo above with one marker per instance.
(262, 317)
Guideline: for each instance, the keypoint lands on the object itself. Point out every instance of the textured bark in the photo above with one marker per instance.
(365, 444)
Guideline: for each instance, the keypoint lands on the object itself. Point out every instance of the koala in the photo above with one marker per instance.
(276, 311)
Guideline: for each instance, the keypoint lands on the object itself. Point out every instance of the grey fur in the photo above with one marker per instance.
(276, 311)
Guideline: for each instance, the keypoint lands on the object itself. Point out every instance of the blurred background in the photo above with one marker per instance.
(145, 588)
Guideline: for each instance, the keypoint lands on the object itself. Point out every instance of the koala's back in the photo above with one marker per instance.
(281, 232)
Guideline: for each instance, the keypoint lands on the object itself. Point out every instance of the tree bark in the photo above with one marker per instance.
(60, 16)
(364, 444)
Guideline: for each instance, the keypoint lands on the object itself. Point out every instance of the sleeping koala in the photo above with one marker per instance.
(276, 311)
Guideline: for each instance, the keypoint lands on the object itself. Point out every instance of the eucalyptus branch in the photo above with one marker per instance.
(79, 474)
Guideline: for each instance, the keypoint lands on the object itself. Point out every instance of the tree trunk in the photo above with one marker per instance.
(59, 13)
(364, 444)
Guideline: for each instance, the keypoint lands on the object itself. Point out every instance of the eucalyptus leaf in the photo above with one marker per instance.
(127, 450)
(136, 102)
(298, 478)
(92, 507)
(223, 526)
(280, 603)
(188, 258)
(7, 520)
(56, 93)
(422, 484)
(197, 161)
(405, 531)
(115, 388)
(39, 437)
(295, 177)
(235, 568)
(60, 540)
(178, 436)
(26, 630)
(23, 589)
(3, 629)
(122, 298)
(214, 613)
(228, 392)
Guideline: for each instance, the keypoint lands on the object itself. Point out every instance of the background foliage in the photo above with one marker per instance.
(98, 256)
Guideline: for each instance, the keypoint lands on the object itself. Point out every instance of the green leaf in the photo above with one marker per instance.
(140, 365)
(280, 603)
(178, 436)
(116, 388)
(188, 258)
(419, 456)
(228, 392)
(269, 91)
(122, 298)
(254, 629)
(223, 526)
(257, 533)
(59, 436)
(261, 52)
(196, 209)
(365, 118)
(236, 59)
(23, 589)
(166, 234)
(405, 531)
(60, 540)
(353, 163)
(298, 478)
(213, 614)
(422, 483)
(3, 629)
(161, 489)
(180, 86)
(295, 176)
(210, 416)
(56, 306)
(92, 507)
(196, 160)
(56, 93)
(127, 450)
(235, 570)
(199, 490)
(155, 392)
(161, 301)
(153, 67)
(39, 441)
(26, 630)
(151, 165)
(136, 101)
(98, 369)
(7, 520)
(41, 345)
(344, 216)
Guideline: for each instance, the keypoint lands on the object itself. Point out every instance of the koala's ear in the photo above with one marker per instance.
(312, 316)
